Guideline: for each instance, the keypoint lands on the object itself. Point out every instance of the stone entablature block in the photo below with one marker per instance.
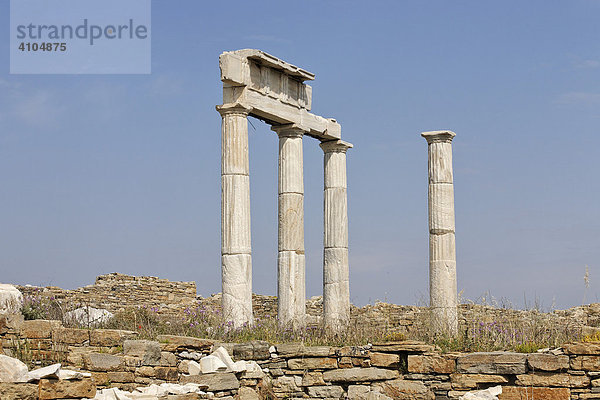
(274, 90)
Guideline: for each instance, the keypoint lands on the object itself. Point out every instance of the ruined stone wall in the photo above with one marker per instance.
(117, 292)
(384, 371)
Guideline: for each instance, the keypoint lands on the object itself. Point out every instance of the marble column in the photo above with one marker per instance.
(291, 291)
(336, 284)
(442, 254)
(236, 259)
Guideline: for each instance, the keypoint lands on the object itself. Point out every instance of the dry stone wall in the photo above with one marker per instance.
(117, 292)
(392, 370)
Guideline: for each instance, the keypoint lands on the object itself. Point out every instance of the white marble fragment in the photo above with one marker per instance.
(65, 374)
(194, 368)
(51, 371)
(222, 354)
(239, 366)
(11, 299)
(487, 394)
(11, 369)
(210, 364)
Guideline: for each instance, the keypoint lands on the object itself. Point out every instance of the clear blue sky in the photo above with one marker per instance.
(106, 173)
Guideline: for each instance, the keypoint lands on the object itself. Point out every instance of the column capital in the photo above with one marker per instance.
(335, 146)
(289, 130)
(233, 108)
(438, 136)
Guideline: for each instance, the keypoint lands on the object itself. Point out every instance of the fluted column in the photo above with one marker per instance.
(291, 288)
(442, 253)
(236, 259)
(336, 284)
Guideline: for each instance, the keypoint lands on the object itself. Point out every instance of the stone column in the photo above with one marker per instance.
(236, 259)
(442, 253)
(291, 292)
(336, 283)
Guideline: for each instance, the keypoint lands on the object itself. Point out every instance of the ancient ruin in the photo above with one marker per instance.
(442, 252)
(260, 85)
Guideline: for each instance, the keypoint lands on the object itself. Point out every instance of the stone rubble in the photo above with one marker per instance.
(152, 392)
(13, 370)
(487, 394)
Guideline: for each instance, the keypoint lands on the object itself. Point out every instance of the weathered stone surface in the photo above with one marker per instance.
(253, 350)
(492, 363)
(121, 377)
(75, 389)
(473, 381)
(19, 391)
(358, 392)
(168, 359)
(149, 351)
(534, 393)
(246, 393)
(379, 396)
(76, 354)
(110, 337)
(100, 362)
(100, 378)
(384, 359)
(590, 396)
(40, 329)
(11, 369)
(326, 391)
(253, 371)
(312, 363)
(213, 382)
(145, 371)
(289, 350)
(166, 373)
(404, 346)
(589, 363)
(71, 336)
(359, 375)
(11, 322)
(287, 387)
(547, 362)
(173, 343)
(405, 390)
(352, 351)
(553, 380)
(312, 379)
(582, 348)
(426, 364)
